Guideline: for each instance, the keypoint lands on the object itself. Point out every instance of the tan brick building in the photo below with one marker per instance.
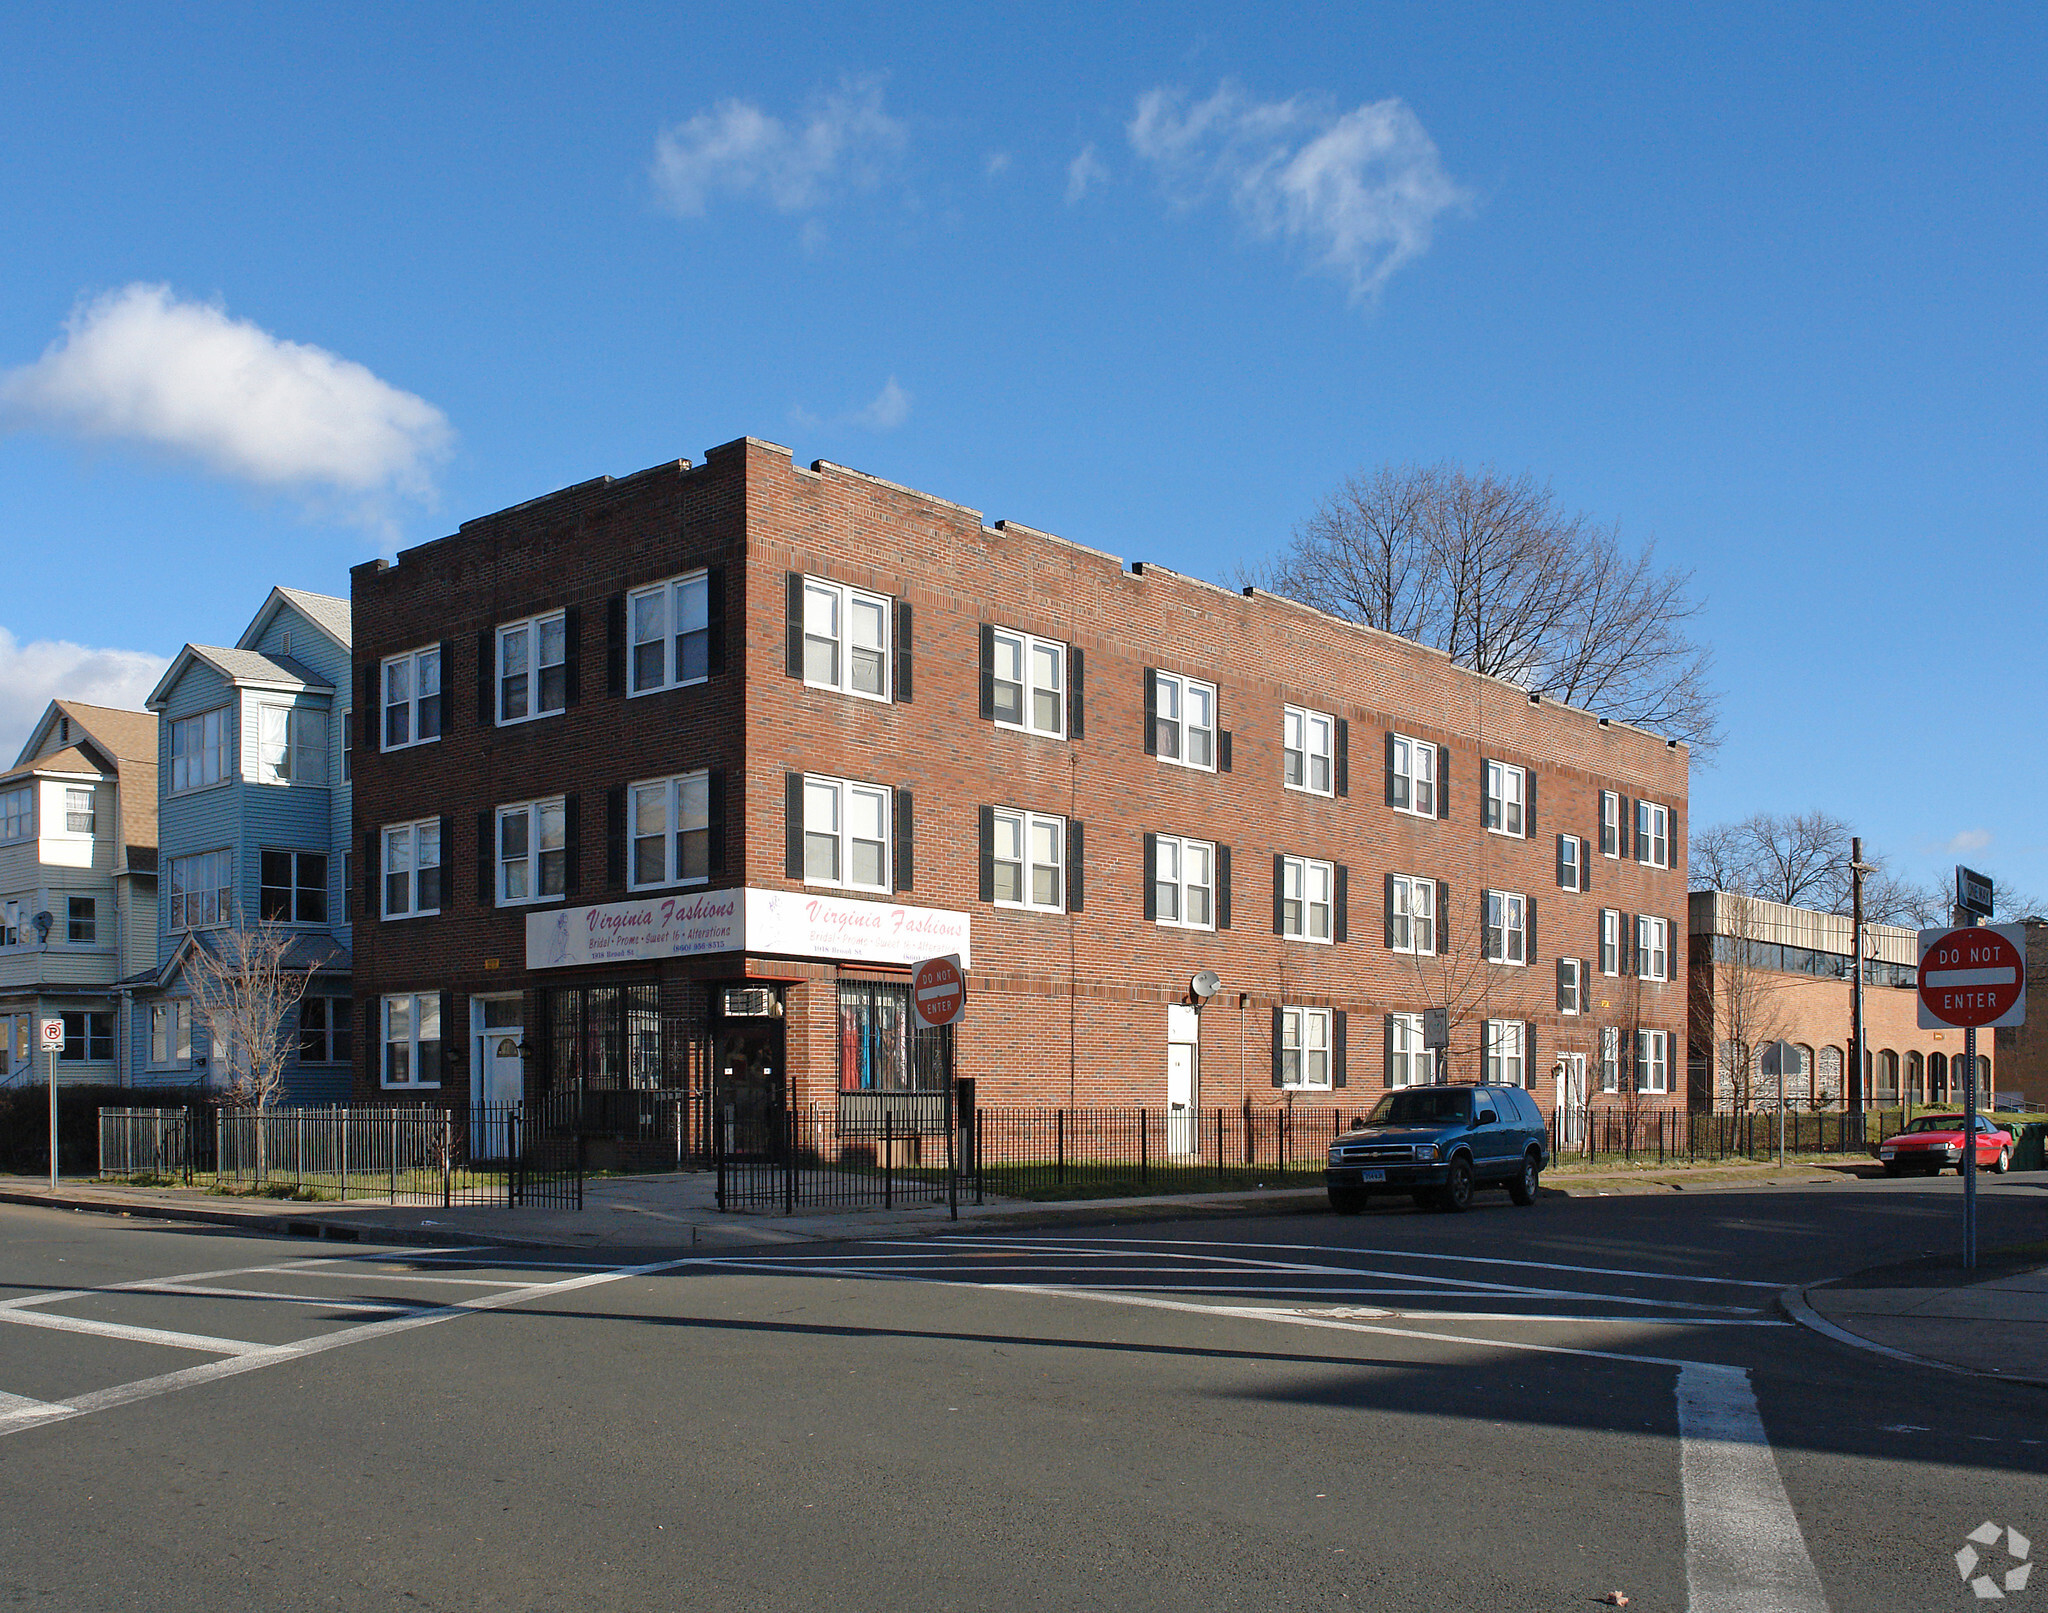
(2023, 1049)
(675, 774)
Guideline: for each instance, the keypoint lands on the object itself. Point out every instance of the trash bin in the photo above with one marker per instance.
(2030, 1145)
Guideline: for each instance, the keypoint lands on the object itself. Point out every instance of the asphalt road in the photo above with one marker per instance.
(1510, 1409)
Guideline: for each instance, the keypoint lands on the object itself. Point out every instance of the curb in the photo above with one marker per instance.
(302, 1226)
(1794, 1303)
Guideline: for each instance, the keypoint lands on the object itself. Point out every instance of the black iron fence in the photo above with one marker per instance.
(791, 1160)
(488, 1154)
(1614, 1131)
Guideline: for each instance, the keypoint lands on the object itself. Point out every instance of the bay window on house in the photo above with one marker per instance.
(199, 750)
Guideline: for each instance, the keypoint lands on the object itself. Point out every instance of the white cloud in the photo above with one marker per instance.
(1084, 173)
(1360, 190)
(139, 365)
(995, 165)
(34, 674)
(1968, 840)
(887, 410)
(737, 149)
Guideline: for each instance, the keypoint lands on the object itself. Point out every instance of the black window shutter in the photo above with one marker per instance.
(1077, 694)
(1585, 864)
(1529, 944)
(1387, 899)
(988, 672)
(615, 837)
(1222, 887)
(572, 844)
(715, 826)
(714, 620)
(1625, 825)
(1279, 893)
(1529, 1054)
(793, 825)
(486, 678)
(1277, 1034)
(793, 624)
(1481, 792)
(373, 874)
(1529, 801)
(448, 685)
(904, 848)
(1560, 862)
(615, 645)
(1340, 923)
(486, 861)
(1386, 1050)
(902, 690)
(1074, 864)
(1343, 756)
(371, 1045)
(986, 831)
(1443, 781)
(1443, 915)
(572, 655)
(1340, 1049)
(1561, 1004)
(1672, 859)
(1223, 750)
(1151, 892)
(1151, 711)
(1390, 767)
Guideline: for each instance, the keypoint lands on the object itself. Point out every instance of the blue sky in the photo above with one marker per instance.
(285, 287)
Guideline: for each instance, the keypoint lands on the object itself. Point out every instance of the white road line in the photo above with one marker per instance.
(1074, 1245)
(136, 1335)
(384, 1307)
(261, 1356)
(1743, 1549)
(19, 1409)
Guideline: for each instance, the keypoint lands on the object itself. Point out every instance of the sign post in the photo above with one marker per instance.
(1781, 1059)
(50, 1033)
(938, 997)
(1972, 976)
(1436, 1036)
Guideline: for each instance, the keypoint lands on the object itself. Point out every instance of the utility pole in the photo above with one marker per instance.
(1857, 869)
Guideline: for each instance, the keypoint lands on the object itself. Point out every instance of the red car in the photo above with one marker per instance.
(1934, 1143)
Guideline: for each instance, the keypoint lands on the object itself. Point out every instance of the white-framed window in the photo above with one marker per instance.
(1653, 1061)
(199, 750)
(10, 924)
(292, 886)
(324, 1031)
(1571, 986)
(533, 851)
(1184, 720)
(412, 1040)
(1030, 860)
(1506, 1060)
(1307, 889)
(1411, 914)
(1030, 682)
(671, 831)
(412, 869)
(1610, 823)
(846, 639)
(1409, 1062)
(1414, 776)
(1653, 834)
(1184, 882)
(1507, 927)
(202, 891)
(82, 920)
(1505, 791)
(846, 833)
(1305, 1049)
(1308, 740)
(170, 1034)
(347, 736)
(1571, 863)
(291, 745)
(1610, 941)
(1653, 947)
(79, 816)
(533, 668)
(18, 813)
(412, 697)
(1610, 1058)
(671, 631)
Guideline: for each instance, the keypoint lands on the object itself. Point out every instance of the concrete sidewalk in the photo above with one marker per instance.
(1932, 1313)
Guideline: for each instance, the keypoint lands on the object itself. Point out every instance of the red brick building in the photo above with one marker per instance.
(675, 774)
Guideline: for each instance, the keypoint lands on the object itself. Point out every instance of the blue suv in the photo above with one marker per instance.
(1438, 1144)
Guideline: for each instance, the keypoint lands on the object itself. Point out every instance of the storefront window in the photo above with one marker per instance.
(603, 1037)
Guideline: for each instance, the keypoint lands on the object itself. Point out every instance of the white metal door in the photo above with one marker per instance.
(1182, 1127)
(1571, 1099)
(504, 1082)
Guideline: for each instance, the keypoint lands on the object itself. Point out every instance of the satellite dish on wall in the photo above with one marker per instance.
(1206, 984)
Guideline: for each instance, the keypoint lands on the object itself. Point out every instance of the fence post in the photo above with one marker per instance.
(1219, 1145)
(788, 1159)
(1141, 1148)
(978, 1114)
(1059, 1168)
(888, 1156)
(342, 1115)
(394, 1153)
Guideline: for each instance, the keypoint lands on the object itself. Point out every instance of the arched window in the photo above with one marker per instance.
(1985, 1092)
(1887, 1076)
(1916, 1074)
(1831, 1076)
(1802, 1088)
(1937, 1078)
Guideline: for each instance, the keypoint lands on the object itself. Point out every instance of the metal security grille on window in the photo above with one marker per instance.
(1030, 682)
(412, 698)
(672, 830)
(672, 633)
(1414, 776)
(78, 814)
(533, 674)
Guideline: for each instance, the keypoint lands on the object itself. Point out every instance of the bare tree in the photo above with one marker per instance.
(1455, 978)
(1735, 1005)
(1493, 571)
(244, 994)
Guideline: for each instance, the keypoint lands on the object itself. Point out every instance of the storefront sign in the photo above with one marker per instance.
(794, 923)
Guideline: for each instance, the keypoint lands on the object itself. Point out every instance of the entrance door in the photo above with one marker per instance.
(1571, 1099)
(1182, 1127)
(750, 1086)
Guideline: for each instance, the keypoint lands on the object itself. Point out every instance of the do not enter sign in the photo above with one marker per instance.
(938, 990)
(1973, 977)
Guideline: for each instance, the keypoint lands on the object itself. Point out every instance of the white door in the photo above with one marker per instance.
(1571, 1099)
(503, 1080)
(1183, 1129)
